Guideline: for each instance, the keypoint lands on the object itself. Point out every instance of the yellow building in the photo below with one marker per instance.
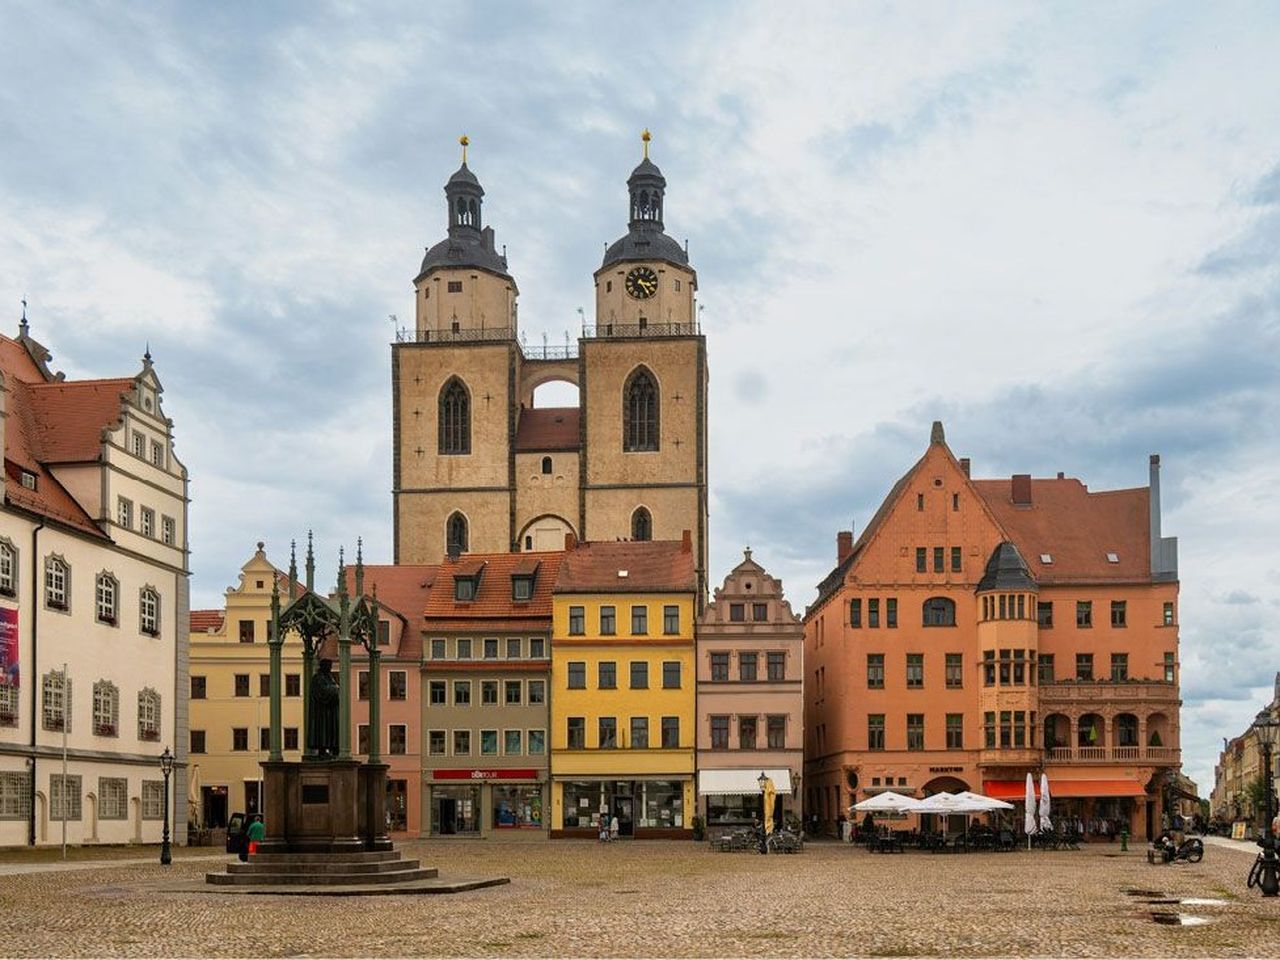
(623, 686)
(230, 712)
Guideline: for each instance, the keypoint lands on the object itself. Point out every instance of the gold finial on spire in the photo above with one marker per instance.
(646, 136)
(465, 141)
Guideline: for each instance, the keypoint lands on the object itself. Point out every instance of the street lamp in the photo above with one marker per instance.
(1266, 869)
(166, 768)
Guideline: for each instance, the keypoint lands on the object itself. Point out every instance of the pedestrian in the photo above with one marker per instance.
(604, 829)
(613, 828)
(257, 833)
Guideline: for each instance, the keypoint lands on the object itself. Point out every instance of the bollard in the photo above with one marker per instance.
(1124, 841)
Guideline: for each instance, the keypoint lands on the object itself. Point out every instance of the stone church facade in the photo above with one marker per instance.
(478, 468)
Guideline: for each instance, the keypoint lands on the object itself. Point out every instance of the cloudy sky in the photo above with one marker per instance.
(1053, 227)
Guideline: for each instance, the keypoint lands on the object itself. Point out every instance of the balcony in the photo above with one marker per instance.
(1093, 692)
(471, 335)
(1160, 755)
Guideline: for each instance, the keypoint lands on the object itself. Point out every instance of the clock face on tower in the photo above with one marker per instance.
(642, 283)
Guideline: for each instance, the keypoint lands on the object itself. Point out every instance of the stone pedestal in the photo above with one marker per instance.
(324, 806)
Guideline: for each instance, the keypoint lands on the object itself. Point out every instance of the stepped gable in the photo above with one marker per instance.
(547, 429)
(651, 566)
(493, 600)
(1060, 517)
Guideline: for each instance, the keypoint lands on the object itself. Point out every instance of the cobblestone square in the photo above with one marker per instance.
(576, 898)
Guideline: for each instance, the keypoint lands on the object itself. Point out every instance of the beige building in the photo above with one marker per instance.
(1238, 766)
(477, 467)
(750, 663)
(93, 604)
(230, 696)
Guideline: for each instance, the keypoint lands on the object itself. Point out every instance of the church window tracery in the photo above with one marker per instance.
(640, 412)
(641, 524)
(455, 419)
(456, 534)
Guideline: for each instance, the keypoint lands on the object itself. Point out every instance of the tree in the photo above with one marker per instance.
(1256, 793)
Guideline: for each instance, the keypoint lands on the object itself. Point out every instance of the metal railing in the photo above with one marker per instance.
(1097, 754)
(473, 335)
(604, 331)
(565, 351)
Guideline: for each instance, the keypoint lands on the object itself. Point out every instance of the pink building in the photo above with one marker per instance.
(750, 662)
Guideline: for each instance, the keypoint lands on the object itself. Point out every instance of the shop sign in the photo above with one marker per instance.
(515, 773)
(946, 769)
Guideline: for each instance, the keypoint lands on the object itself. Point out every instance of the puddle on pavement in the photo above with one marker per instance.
(1177, 919)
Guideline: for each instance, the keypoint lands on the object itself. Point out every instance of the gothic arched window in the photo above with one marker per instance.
(641, 525)
(640, 411)
(455, 418)
(456, 534)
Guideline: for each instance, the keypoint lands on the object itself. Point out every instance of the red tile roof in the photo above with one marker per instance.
(1076, 528)
(493, 600)
(202, 621)
(651, 566)
(51, 422)
(547, 428)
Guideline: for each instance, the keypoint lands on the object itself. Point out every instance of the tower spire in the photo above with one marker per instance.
(466, 142)
(645, 137)
(311, 564)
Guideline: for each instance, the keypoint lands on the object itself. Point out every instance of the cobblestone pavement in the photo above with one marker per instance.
(573, 898)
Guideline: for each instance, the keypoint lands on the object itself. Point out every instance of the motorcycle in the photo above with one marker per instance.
(1165, 850)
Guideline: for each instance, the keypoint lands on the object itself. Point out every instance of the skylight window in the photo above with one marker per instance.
(1113, 558)
(1046, 558)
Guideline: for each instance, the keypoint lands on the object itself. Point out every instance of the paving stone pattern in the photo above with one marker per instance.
(664, 899)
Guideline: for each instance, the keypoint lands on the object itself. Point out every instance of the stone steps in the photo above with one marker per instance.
(256, 878)
(320, 867)
(360, 856)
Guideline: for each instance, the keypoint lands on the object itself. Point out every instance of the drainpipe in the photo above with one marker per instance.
(35, 615)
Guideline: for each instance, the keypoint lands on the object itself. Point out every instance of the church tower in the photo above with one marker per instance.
(643, 381)
(454, 392)
(479, 468)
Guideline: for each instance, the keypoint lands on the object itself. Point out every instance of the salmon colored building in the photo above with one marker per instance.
(979, 630)
(402, 593)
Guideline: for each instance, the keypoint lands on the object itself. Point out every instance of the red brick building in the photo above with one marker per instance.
(981, 629)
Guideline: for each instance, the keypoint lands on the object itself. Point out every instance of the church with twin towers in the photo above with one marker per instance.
(478, 468)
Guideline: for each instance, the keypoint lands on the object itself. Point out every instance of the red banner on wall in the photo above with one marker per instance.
(9, 645)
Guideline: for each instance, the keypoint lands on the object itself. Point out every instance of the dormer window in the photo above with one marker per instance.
(464, 588)
(28, 479)
(522, 588)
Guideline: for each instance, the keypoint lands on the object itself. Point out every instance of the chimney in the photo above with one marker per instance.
(1164, 550)
(964, 465)
(844, 545)
(570, 541)
(1022, 489)
(1061, 475)
(486, 237)
(686, 542)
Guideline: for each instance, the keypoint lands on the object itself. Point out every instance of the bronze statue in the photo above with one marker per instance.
(322, 713)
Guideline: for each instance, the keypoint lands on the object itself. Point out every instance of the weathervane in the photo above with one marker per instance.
(465, 141)
(646, 136)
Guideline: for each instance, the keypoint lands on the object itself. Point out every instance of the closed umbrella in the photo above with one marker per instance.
(1029, 814)
(1046, 824)
(770, 793)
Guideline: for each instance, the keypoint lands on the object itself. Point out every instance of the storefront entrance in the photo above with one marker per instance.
(622, 808)
(455, 810)
(397, 805)
(213, 802)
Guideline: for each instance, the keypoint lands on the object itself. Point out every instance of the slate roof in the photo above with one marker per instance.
(493, 602)
(651, 567)
(1076, 528)
(546, 429)
(645, 242)
(1006, 570)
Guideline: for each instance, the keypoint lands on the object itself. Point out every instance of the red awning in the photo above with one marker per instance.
(1017, 789)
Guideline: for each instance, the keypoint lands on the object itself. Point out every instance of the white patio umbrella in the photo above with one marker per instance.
(982, 803)
(1029, 815)
(887, 802)
(1046, 824)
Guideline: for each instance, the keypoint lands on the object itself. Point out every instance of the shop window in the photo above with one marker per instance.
(517, 807)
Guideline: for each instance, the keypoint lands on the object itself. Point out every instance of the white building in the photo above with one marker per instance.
(93, 575)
